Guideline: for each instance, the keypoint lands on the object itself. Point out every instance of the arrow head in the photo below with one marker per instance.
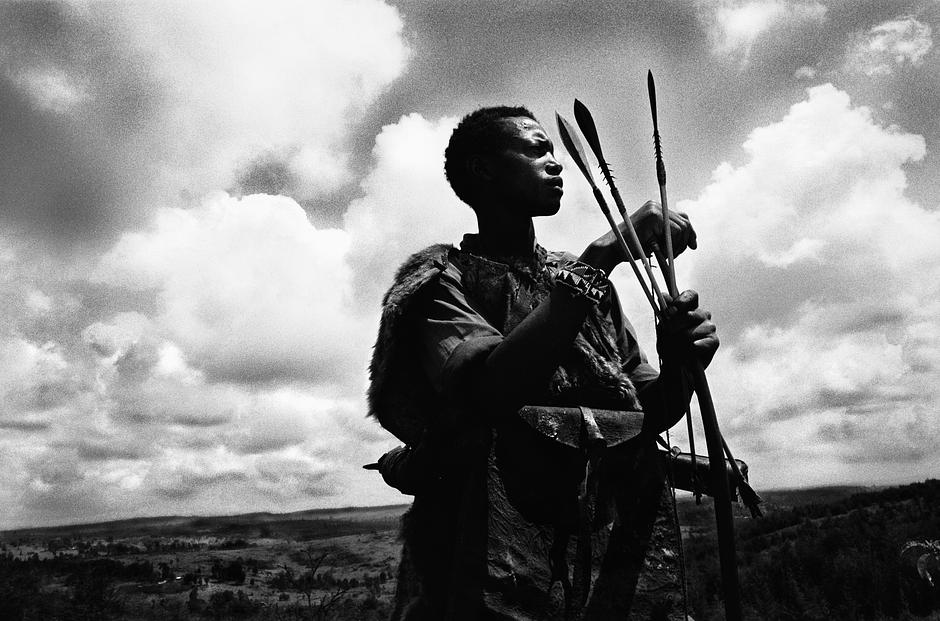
(586, 122)
(651, 85)
(569, 138)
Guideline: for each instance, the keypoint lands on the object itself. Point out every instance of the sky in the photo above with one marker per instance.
(202, 203)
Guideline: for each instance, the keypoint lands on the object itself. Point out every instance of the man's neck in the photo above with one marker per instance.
(509, 237)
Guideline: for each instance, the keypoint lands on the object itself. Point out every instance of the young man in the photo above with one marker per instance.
(469, 336)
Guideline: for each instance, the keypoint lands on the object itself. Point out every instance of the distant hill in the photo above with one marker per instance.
(788, 498)
(818, 554)
(309, 524)
(830, 553)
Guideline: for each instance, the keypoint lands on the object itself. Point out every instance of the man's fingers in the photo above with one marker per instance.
(694, 324)
(648, 220)
(687, 301)
(693, 238)
(705, 349)
(702, 331)
(683, 233)
(680, 238)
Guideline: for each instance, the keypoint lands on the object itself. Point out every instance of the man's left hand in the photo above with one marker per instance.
(686, 332)
(605, 252)
(648, 224)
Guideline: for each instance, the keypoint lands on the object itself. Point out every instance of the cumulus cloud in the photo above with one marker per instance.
(407, 204)
(285, 80)
(251, 355)
(214, 330)
(822, 275)
(115, 109)
(35, 380)
(228, 370)
(736, 25)
(889, 45)
(249, 288)
(164, 440)
(214, 360)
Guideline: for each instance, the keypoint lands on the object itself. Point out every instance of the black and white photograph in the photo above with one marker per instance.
(457, 310)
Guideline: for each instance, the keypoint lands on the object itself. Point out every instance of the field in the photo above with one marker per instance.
(825, 553)
(308, 565)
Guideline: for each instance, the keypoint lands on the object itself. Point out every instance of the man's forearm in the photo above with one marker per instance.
(521, 366)
(666, 399)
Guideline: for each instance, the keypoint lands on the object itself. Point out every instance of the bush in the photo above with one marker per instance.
(227, 605)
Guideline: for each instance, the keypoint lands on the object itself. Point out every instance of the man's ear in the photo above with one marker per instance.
(479, 168)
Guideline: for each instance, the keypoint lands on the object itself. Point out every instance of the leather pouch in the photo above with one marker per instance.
(694, 476)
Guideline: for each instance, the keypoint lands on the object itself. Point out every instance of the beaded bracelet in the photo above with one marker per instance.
(582, 280)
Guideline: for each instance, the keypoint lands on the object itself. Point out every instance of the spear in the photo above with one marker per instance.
(715, 443)
(586, 122)
(748, 495)
(713, 440)
(570, 139)
(668, 269)
(666, 263)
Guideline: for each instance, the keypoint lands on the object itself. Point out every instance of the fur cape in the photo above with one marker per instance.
(400, 396)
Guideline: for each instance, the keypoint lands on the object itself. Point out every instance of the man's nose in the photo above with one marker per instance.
(553, 167)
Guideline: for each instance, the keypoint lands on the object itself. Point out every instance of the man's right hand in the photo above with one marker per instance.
(687, 331)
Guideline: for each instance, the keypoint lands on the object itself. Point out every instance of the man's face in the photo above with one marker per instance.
(525, 175)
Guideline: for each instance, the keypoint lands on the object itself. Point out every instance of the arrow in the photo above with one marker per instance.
(569, 138)
(586, 122)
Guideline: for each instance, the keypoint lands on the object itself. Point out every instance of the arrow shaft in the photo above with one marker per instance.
(570, 139)
(625, 248)
(714, 442)
(669, 271)
(724, 520)
(631, 231)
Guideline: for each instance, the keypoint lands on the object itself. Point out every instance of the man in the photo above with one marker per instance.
(471, 335)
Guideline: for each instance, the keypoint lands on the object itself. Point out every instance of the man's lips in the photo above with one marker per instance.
(556, 183)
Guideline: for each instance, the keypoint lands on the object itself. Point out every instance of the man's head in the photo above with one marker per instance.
(502, 155)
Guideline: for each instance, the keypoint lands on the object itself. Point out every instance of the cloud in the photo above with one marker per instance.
(115, 109)
(735, 26)
(249, 288)
(227, 371)
(51, 90)
(805, 73)
(889, 45)
(407, 204)
(170, 444)
(200, 347)
(822, 277)
(35, 379)
(287, 80)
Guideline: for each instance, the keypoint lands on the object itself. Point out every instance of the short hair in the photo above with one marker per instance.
(479, 133)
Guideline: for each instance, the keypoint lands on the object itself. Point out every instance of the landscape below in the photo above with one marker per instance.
(823, 553)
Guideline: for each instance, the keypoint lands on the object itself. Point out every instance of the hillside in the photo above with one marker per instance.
(830, 553)
(823, 553)
(310, 524)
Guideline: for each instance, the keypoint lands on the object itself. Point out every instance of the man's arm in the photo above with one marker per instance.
(471, 358)
(465, 357)
(528, 356)
(525, 360)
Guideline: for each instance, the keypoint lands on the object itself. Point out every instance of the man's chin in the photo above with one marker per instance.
(548, 210)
